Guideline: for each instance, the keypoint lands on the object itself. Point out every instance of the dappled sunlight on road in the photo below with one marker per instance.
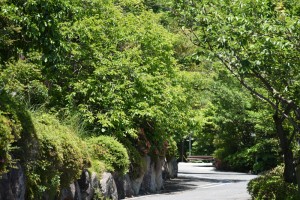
(202, 181)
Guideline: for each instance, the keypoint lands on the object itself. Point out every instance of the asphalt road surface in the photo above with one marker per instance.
(201, 181)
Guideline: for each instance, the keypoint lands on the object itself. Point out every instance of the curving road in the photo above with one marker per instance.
(200, 181)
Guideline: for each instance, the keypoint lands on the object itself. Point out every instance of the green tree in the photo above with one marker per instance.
(258, 42)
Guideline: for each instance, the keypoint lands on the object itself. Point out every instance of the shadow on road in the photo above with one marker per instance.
(189, 183)
(179, 184)
(204, 165)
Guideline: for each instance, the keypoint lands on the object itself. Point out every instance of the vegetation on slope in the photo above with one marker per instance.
(149, 74)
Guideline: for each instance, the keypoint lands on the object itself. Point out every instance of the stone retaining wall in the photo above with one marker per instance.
(89, 186)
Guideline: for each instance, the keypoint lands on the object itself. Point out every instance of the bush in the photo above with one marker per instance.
(272, 186)
(172, 150)
(266, 154)
(62, 156)
(111, 152)
(137, 164)
(16, 133)
(240, 161)
(7, 137)
(261, 157)
(24, 80)
(220, 155)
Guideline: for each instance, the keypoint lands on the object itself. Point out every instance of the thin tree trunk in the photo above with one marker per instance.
(289, 168)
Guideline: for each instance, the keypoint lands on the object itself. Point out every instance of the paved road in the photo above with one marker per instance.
(198, 181)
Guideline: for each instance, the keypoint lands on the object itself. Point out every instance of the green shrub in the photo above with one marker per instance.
(266, 154)
(111, 152)
(220, 155)
(97, 166)
(16, 130)
(272, 186)
(261, 157)
(7, 127)
(62, 156)
(24, 80)
(172, 150)
(137, 165)
(240, 161)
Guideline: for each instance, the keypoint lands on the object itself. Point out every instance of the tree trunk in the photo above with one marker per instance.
(182, 152)
(289, 168)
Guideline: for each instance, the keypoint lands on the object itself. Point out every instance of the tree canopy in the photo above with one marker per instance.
(151, 73)
(258, 42)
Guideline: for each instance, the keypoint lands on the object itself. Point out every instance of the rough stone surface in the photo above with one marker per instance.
(95, 185)
(89, 186)
(12, 185)
(174, 163)
(119, 184)
(170, 169)
(127, 186)
(68, 193)
(124, 186)
(145, 185)
(158, 174)
(136, 184)
(85, 185)
(152, 181)
(108, 186)
(77, 191)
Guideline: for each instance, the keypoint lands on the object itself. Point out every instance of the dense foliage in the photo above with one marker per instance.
(111, 152)
(258, 43)
(10, 131)
(150, 74)
(17, 134)
(61, 157)
(271, 185)
(110, 63)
